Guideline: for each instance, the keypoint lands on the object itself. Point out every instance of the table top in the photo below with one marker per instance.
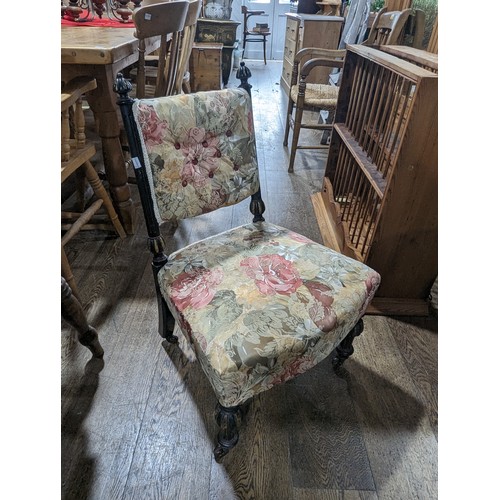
(96, 45)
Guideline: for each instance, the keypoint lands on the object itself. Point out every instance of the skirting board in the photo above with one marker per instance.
(381, 306)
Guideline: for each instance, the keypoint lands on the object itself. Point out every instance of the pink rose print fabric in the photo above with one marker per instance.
(281, 305)
(195, 288)
(272, 274)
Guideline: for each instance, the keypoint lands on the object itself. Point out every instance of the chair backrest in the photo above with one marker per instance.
(188, 35)
(165, 20)
(200, 146)
(247, 14)
(387, 28)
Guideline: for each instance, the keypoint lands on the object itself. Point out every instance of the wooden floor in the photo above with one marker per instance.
(139, 425)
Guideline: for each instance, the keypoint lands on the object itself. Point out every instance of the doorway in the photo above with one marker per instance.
(274, 16)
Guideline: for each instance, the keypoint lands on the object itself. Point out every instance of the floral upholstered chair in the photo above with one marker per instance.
(260, 304)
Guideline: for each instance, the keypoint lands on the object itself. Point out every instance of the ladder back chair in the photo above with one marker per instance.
(76, 153)
(165, 20)
(254, 35)
(260, 304)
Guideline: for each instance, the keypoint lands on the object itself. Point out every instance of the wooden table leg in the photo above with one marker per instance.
(102, 102)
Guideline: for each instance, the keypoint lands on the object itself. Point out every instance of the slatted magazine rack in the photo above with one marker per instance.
(379, 198)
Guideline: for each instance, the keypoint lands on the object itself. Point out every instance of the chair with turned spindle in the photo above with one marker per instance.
(255, 34)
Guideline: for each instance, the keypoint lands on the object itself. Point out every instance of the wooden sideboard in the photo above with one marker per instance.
(379, 202)
(309, 30)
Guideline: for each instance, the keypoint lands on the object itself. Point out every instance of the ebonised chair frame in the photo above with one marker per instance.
(228, 418)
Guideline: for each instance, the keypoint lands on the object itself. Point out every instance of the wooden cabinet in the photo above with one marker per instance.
(379, 202)
(219, 31)
(308, 30)
(205, 66)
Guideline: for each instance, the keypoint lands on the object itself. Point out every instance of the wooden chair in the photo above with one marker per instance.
(76, 154)
(309, 96)
(165, 20)
(388, 27)
(187, 40)
(253, 35)
(304, 95)
(72, 312)
(259, 304)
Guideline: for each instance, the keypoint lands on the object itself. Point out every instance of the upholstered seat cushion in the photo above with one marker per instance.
(261, 304)
(319, 95)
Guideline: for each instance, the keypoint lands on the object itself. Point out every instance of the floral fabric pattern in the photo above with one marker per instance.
(262, 304)
(201, 151)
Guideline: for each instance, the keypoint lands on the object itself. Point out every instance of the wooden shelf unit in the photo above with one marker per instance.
(380, 198)
(309, 30)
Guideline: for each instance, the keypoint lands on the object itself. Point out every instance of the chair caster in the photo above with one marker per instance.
(171, 338)
(220, 452)
(345, 348)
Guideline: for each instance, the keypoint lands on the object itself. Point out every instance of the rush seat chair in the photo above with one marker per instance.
(307, 95)
(260, 304)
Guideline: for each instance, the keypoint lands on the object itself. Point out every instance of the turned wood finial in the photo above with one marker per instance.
(99, 7)
(122, 86)
(123, 11)
(73, 10)
(244, 74)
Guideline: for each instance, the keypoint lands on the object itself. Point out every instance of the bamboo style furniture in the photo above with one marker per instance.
(253, 35)
(100, 53)
(259, 304)
(379, 198)
(76, 154)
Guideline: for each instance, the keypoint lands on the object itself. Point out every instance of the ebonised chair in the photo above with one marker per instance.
(260, 304)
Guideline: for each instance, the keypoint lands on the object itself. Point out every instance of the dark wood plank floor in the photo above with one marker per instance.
(139, 425)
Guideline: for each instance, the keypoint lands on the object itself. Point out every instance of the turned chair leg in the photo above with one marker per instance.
(345, 348)
(295, 137)
(228, 419)
(72, 312)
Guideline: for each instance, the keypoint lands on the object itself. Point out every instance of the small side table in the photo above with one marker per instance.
(219, 31)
